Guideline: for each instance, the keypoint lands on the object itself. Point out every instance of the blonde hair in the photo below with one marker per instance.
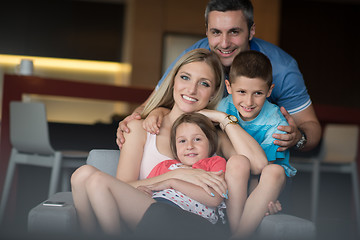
(163, 97)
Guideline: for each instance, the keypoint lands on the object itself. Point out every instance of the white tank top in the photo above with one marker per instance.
(151, 156)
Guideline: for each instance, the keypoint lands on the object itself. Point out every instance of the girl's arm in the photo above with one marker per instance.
(191, 190)
(238, 141)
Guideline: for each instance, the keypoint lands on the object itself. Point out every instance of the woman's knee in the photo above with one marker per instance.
(96, 181)
(82, 175)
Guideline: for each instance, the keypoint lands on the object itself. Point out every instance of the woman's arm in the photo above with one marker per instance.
(128, 168)
(130, 161)
(238, 141)
(191, 190)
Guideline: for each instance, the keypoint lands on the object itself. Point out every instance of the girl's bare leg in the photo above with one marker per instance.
(115, 202)
(82, 204)
(237, 176)
(272, 180)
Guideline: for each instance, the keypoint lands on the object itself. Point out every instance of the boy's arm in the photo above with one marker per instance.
(235, 140)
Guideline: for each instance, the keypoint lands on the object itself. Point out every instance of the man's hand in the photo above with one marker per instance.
(292, 135)
(123, 128)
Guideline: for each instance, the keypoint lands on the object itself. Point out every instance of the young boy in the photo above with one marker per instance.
(249, 84)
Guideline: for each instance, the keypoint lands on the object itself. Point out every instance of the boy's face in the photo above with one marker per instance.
(249, 95)
(191, 143)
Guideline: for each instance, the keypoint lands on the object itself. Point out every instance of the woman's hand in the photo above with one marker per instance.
(153, 121)
(166, 184)
(145, 190)
(203, 179)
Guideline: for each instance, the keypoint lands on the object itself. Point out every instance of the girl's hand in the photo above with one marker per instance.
(203, 179)
(153, 121)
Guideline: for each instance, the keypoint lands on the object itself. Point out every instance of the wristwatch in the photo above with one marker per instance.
(229, 119)
(302, 142)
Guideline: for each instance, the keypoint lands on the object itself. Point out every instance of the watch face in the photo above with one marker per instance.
(233, 118)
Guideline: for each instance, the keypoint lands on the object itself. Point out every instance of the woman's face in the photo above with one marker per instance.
(194, 85)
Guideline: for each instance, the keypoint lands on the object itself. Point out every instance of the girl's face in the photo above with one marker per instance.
(191, 143)
(194, 85)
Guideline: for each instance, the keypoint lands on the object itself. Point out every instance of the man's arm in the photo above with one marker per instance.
(305, 120)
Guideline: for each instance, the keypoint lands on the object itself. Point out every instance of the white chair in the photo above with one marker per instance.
(338, 153)
(30, 142)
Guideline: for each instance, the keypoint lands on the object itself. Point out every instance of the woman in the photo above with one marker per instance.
(195, 83)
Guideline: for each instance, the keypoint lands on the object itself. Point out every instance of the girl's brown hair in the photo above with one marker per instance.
(205, 125)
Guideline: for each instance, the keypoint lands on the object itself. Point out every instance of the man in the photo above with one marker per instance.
(230, 29)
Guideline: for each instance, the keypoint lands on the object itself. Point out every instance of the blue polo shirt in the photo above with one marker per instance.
(289, 91)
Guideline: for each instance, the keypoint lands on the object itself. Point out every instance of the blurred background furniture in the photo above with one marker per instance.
(29, 137)
(48, 220)
(14, 88)
(338, 153)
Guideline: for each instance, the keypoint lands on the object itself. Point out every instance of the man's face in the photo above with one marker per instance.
(228, 34)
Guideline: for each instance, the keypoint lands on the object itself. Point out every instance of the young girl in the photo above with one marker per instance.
(193, 142)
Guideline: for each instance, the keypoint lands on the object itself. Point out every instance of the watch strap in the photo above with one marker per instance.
(302, 142)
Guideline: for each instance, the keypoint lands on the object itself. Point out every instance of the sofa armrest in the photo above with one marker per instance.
(49, 219)
(284, 227)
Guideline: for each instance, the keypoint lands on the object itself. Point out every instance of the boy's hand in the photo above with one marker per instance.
(123, 128)
(292, 135)
(273, 208)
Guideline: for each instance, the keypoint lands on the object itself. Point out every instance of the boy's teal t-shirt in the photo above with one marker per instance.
(261, 129)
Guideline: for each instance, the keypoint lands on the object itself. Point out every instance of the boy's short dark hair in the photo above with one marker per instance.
(205, 125)
(251, 64)
(231, 5)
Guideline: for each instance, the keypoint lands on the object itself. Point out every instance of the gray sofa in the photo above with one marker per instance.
(63, 220)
